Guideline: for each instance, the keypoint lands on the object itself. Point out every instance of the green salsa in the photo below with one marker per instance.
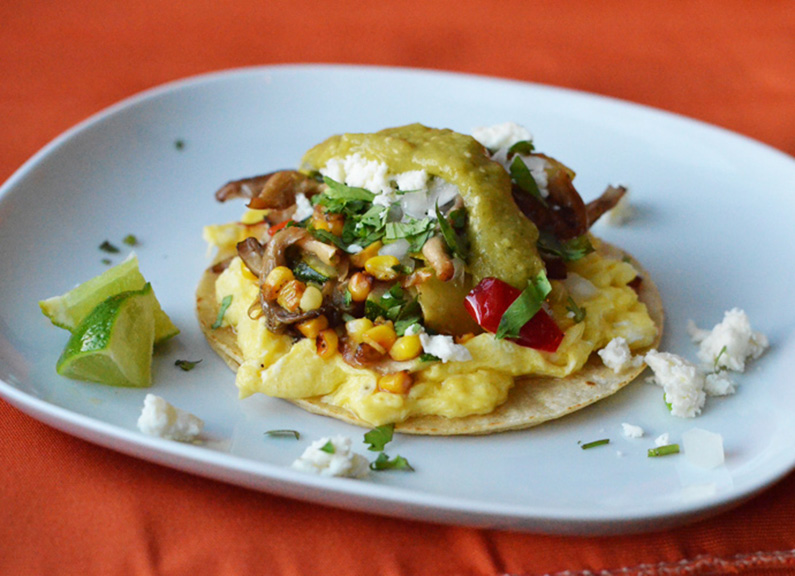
(502, 239)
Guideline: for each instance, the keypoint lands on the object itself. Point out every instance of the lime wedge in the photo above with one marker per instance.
(113, 344)
(68, 310)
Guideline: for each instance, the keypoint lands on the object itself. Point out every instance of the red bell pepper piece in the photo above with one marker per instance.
(274, 229)
(488, 301)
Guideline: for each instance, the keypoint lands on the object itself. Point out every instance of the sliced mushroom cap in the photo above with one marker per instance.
(274, 191)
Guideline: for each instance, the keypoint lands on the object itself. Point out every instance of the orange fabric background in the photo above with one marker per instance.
(69, 507)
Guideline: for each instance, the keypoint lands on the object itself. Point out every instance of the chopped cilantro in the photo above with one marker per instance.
(225, 303)
(130, 240)
(328, 447)
(283, 434)
(567, 250)
(383, 462)
(595, 443)
(106, 261)
(522, 147)
(106, 246)
(717, 367)
(521, 174)
(578, 313)
(186, 365)
(663, 450)
(379, 437)
(456, 245)
(524, 307)
(425, 357)
(179, 144)
(415, 232)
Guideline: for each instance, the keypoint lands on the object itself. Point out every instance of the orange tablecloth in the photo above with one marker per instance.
(69, 507)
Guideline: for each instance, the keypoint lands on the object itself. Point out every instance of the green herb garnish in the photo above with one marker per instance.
(578, 313)
(663, 450)
(415, 232)
(186, 365)
(524, 307)
(106, 246)
(328, 448)
(595, 443)
(179, 144)
(567, 250)
(425, 357)
(130, 240)
(379, 437)
(717, 366)
(283, 434)
(225, 303)
(383, 462)
(456, 245)
(521, 174)
(522, 147)
(106, 261)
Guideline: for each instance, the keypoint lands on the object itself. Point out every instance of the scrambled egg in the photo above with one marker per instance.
(276, 366)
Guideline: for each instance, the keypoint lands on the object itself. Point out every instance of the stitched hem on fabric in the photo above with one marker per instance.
(703, 564)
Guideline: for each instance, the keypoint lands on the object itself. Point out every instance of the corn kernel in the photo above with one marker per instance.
(312, 299)
(359, 259)
(275, 281)
(327, 343)
(382, 267)
(464, 338)
(356, 328)
(328, 221)
(312, 327)
(397, 383)
(406, 348)
(380, 337)
(359, 286)
(290, 295)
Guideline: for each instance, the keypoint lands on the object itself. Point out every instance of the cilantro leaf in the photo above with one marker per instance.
(283, 434)
(225, 304)
(567, 250)
(328, 447)
(379, 437)
(416, 232)
(186, 365)
(578, 313)
(524, 307)
(456, 244)
(521, 174)
(522, 147)
(106, 246)
(383, 462)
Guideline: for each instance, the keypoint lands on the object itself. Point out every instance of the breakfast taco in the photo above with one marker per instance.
(446, 283)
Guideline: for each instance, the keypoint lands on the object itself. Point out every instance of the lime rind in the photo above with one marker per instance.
(68, 310)
(113, 344)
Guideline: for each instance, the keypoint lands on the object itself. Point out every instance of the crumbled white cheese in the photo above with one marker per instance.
(332, 457)
(580, 288)
(632, 431)
(719, 384)
(681, 380)
(618, 357)
(729, 344)
(159, 418)
(444, 348)
(355, 170)
(662, 440)
(623, 211)
(354, 248)
(703, 448)
(303, 208)
(414, 329)
(502, 135)
(412, 180)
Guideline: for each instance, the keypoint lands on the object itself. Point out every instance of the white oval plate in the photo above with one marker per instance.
(713, 225)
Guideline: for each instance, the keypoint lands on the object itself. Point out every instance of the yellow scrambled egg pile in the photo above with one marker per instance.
(276, 366)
